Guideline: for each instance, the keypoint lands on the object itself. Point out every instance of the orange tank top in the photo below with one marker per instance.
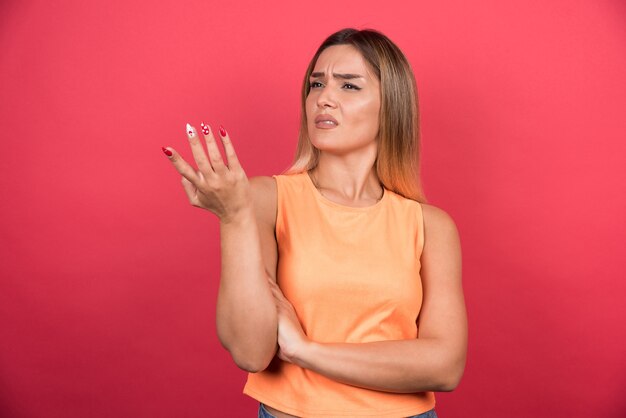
(352, 275)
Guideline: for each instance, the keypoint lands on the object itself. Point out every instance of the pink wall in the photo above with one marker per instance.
(109, 277)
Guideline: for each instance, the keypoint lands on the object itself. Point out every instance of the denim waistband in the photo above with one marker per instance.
(264, 413)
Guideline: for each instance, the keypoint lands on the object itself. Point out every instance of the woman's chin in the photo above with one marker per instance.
(324, 143)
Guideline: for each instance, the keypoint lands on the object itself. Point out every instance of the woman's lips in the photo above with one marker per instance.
(325, 121)
(325, 124)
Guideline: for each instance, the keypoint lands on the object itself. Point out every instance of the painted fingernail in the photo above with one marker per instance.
(205, 128)
(166, 151)
(222, 131)
(190, 131)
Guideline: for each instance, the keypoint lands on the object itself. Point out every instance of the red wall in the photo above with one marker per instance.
(109, 277)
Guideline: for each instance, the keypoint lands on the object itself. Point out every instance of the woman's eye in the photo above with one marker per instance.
(349, 86)
(315, 84)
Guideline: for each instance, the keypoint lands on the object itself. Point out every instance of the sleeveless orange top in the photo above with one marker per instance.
(352, 275)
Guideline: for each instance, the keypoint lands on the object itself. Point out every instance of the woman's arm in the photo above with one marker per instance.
(246, 314)
(433, 362)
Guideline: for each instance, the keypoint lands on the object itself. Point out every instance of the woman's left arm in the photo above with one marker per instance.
(433, 362)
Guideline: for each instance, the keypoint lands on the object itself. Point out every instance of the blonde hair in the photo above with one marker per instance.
(398, 161)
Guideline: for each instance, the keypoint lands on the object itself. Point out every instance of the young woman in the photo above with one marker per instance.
(341, 287)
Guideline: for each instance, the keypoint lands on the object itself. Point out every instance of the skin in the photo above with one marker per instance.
(345, 171)
(247, 250)
(345, 174)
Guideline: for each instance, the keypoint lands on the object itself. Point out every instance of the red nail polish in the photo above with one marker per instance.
(222, 131)
(166, 151)
(205, 128)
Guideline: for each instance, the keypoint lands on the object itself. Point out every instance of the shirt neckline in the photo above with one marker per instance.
(320, 197)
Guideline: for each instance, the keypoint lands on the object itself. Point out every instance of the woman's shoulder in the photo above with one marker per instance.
(435, 214)
(437, 220)
(433, 211)
(264, 183)
(434, 218)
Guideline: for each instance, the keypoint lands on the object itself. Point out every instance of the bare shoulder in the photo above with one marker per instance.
(264, 194)
(265, 184)
(441, 256)
(440, 231)
(437, 220)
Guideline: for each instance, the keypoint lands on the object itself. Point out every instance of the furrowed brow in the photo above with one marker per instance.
(347, 76)
(343, 76)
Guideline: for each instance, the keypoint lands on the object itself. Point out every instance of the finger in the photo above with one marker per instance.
(282, 356)
(197, 150)
(275, 293)
(229, 151)
(181, 165)
(274, 287)
(214, 153)
(279, 299)
(191, 191)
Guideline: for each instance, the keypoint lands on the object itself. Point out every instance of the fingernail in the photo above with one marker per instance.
(190, 131)
(205, 128)
(166, 151)
(222, 131)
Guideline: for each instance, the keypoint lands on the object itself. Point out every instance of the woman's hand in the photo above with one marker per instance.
(291, 338)
(219, 188)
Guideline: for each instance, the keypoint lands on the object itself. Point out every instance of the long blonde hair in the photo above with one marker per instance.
(398, 161)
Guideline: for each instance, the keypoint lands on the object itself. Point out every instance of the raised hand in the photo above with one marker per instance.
(220, 188)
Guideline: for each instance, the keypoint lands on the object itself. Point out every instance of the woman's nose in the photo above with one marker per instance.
(326, 98)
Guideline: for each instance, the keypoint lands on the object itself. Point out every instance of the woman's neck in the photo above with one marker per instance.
(355, 185)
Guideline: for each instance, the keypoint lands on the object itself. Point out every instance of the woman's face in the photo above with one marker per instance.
(343, 104)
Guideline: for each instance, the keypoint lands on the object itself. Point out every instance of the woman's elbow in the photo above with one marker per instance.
(453, 377)
(252, 363)
(250, 366)
(449, 385)
(251, 353)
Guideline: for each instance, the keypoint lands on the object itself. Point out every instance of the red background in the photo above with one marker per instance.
(109, 277)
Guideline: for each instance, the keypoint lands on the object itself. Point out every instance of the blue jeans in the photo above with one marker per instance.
(263, 413)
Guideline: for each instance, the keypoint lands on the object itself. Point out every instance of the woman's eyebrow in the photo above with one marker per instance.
(343, 76)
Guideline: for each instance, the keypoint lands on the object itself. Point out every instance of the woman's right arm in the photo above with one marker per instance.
(247, 323)
(246, 312)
